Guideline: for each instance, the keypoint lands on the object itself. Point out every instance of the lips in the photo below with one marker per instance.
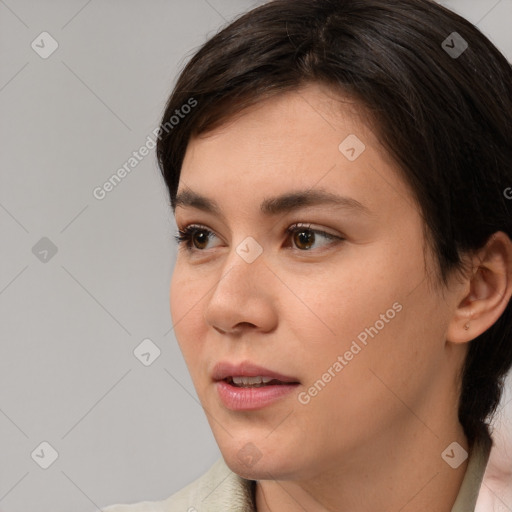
(239, 374)
(249, 387)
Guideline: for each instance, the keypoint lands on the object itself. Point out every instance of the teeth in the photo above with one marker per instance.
(250, 381)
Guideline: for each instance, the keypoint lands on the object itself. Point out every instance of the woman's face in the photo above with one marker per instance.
(341, 306)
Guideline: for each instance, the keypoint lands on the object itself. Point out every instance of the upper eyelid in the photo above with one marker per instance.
(296, 225)
(190, 228)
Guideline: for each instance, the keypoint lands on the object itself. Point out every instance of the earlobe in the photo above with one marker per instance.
(490, 290)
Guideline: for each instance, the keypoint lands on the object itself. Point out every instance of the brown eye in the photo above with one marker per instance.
(194, 238)
(304, 238)
(199, 239)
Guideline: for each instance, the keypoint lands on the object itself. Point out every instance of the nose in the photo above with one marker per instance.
(243, 298)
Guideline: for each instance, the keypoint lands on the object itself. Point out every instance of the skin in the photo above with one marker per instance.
(372, 438)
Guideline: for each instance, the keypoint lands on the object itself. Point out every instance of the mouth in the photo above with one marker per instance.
(255, 382)
(247, 374)
(246, 386)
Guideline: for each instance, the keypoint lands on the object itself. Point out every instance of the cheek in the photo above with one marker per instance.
(360, 400)
(334, 306)
(185, 304)
(376, 323)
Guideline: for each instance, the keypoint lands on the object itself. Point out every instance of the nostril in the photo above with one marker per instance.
(245, 324)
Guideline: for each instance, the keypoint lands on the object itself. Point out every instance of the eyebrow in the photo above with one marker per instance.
(276, 205)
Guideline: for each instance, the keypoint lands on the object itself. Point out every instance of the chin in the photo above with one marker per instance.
(253, 462)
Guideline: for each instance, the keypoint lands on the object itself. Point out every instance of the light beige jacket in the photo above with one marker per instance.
(221, 490)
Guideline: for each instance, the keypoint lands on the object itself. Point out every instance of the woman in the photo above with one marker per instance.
(342, 291)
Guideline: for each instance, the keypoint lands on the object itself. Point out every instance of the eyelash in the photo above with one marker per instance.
(184, 236)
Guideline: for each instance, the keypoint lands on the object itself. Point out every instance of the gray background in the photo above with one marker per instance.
(70, 322)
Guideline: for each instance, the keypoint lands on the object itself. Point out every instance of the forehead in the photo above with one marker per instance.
(303, 112)
(304, 139)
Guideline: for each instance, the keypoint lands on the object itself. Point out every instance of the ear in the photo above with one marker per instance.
(486, 291)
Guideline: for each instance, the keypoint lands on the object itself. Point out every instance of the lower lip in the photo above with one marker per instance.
(248, 399)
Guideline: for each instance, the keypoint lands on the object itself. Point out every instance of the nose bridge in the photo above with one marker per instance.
(243, 263)
(241, 294)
